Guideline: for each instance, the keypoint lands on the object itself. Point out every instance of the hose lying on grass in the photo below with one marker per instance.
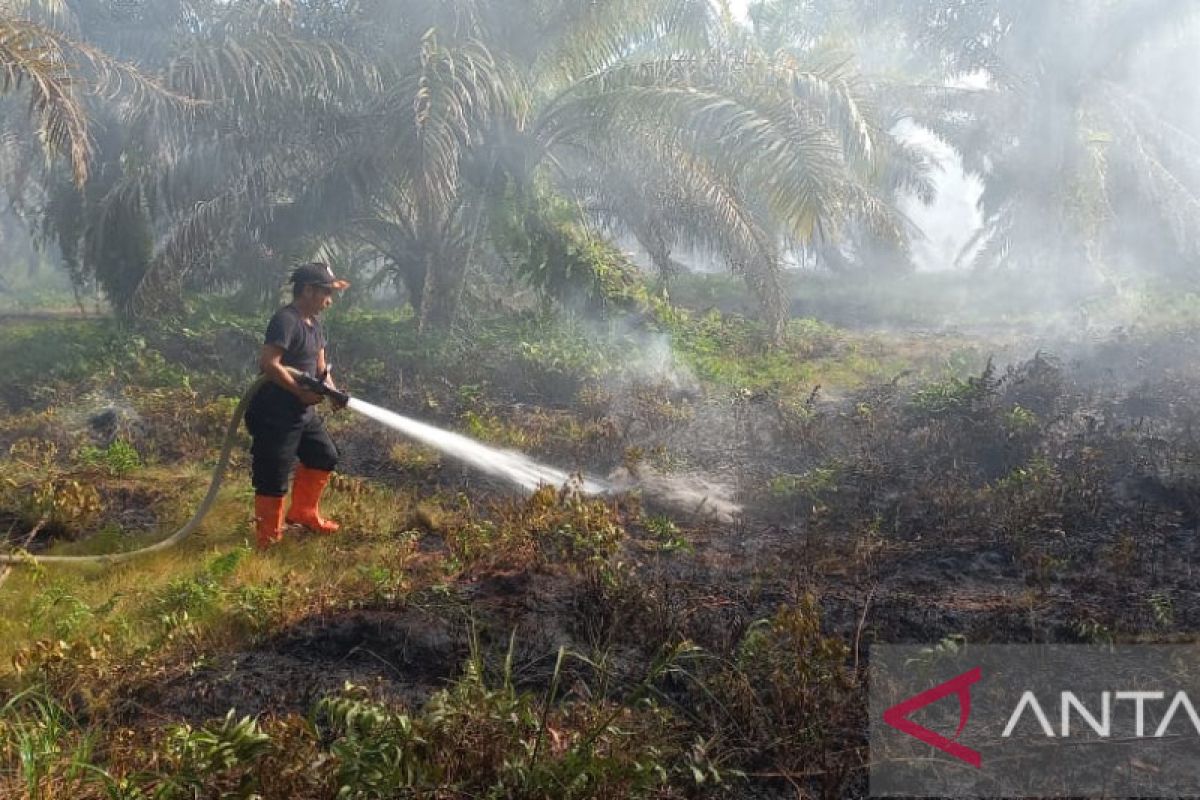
(188, 528)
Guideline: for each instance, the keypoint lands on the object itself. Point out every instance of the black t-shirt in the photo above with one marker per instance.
(301, 343)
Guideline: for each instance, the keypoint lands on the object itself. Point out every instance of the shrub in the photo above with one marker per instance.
(119, 459)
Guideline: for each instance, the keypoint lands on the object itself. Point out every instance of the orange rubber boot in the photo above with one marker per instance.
(268, 520)
(306, 493)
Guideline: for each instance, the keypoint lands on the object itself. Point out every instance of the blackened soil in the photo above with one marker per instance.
(401, 655)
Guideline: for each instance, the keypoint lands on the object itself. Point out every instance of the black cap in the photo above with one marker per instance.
(317, 274)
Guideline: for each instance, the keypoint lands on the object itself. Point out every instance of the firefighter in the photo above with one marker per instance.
(282, 417)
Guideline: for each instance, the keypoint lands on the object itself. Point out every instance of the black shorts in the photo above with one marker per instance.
(283, 430)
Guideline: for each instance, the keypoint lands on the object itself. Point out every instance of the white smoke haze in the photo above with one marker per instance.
(652, 361)
(740, 9)
(946, 225)
(654, 365)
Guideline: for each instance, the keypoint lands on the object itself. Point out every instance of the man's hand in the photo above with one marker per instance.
(270, 361)
(309, 398)
(338, 403)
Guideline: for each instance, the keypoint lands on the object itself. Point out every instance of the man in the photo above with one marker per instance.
(282, 417)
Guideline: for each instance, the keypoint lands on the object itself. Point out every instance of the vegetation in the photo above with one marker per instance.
(810, 450)
(663, 121)
(458, 639)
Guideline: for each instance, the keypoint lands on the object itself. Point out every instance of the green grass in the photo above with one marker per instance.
(125, 605)
(730, 353)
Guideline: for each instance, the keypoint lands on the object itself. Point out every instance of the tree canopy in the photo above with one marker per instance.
(209, 145)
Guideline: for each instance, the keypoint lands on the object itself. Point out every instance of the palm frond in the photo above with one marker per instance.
(264, 67)
(48, 12)
(38, 58)
(440, 111)
(599, 35)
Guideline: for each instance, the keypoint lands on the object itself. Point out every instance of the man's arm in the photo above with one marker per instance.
(270, 361)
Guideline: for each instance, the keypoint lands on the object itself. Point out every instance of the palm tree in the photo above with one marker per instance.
(1065, 143)
(398, 127)
(874, 238)
(734, 147)
(181, 194)
(653, 114)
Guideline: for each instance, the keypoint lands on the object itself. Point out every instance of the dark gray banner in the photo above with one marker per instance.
(1035, 721)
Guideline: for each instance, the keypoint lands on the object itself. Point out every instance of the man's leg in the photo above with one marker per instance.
(318, 457)
(272, 452)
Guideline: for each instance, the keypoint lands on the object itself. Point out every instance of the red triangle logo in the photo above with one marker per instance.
(897, 716)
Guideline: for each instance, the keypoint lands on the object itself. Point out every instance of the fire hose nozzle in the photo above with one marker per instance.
(320, 387)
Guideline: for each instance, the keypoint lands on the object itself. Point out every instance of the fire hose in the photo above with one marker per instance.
(214, 484)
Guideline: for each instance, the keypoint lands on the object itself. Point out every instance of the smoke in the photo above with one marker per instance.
(655, 397)
(740, 10)
(1073, 136)
(652, 361)
(947, 225)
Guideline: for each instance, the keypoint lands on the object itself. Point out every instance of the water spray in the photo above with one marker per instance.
(512, 466)
(688, 494)
(509, 465)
